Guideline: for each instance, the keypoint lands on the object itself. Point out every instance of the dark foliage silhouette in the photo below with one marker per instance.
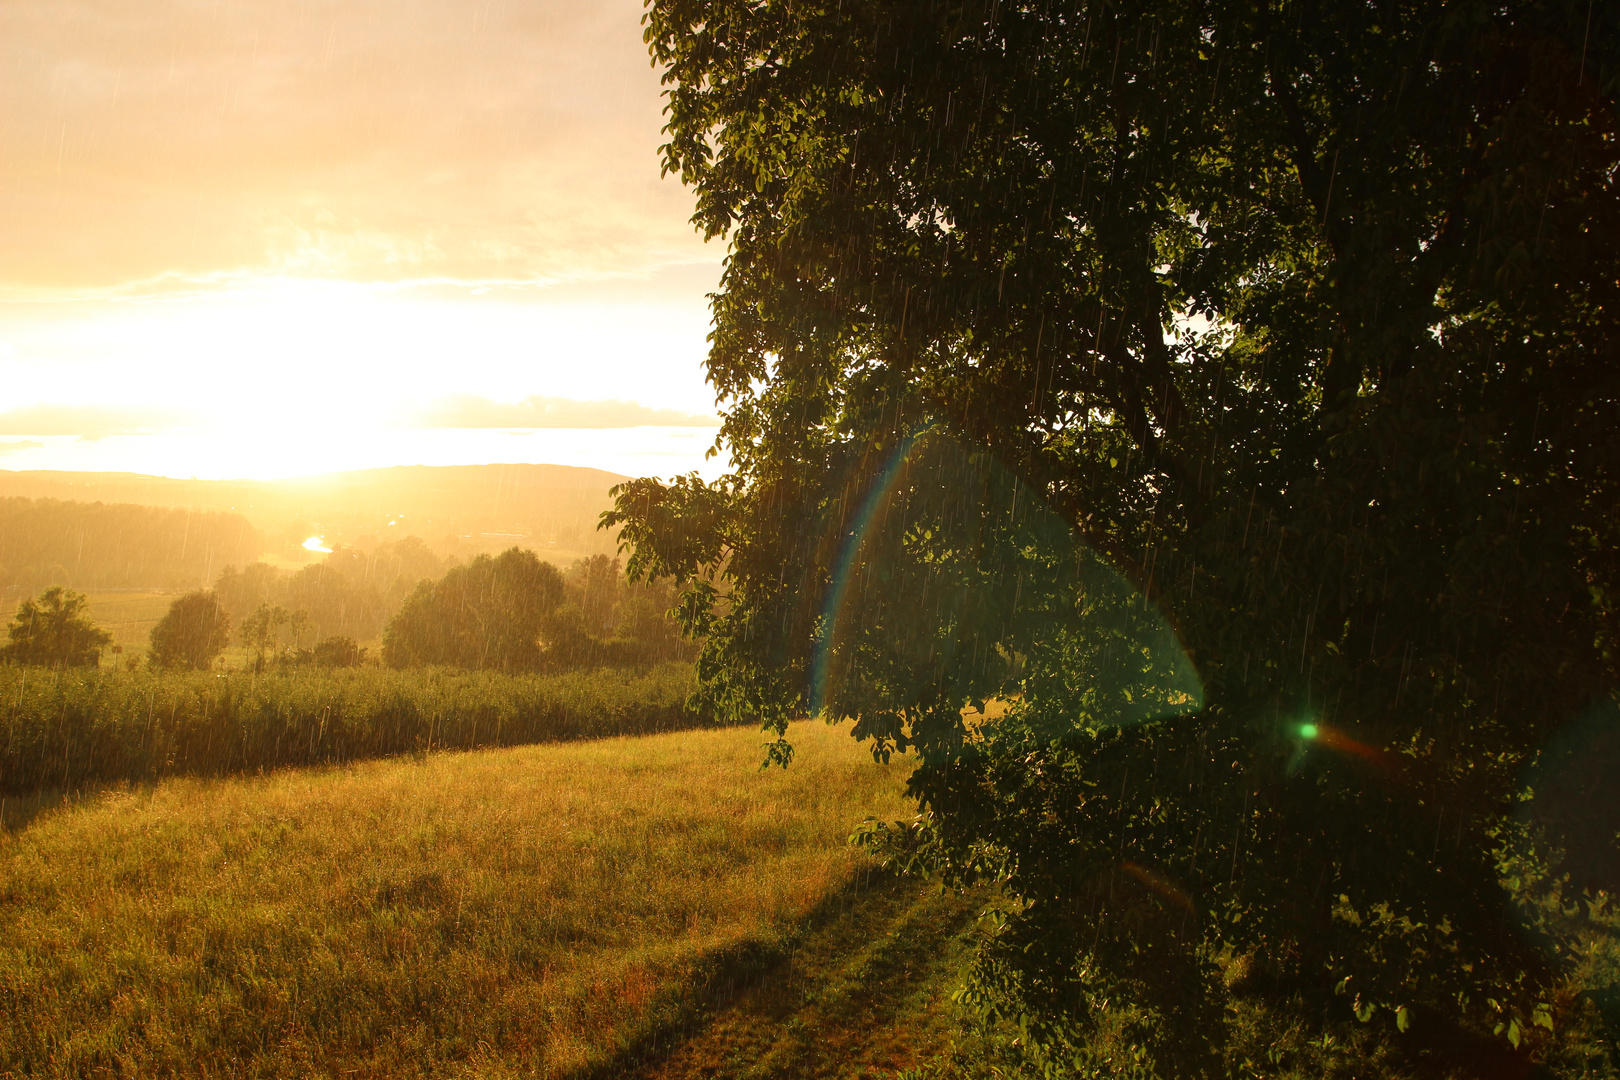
(1301, 322)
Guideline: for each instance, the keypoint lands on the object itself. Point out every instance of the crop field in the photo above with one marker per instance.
(548, 911)
(127, 615)
(71, 729)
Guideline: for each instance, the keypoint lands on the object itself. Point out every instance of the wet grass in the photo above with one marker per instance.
(542, 911)
(82, 728)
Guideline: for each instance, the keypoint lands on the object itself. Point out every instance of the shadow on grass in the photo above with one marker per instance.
(863, 983)
(17, 812)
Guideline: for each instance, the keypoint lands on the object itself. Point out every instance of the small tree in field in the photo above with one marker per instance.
(53, 630)
(194, 632)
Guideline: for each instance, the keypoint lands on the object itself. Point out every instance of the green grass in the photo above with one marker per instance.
(543, 911)
(85, 727)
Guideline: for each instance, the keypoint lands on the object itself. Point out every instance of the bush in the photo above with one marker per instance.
(338, 651)
(72, 729)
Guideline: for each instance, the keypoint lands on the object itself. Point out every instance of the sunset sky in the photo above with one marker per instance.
(255, 239)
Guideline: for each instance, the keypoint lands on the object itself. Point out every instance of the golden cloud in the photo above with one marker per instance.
(181, 140)
(550, 412)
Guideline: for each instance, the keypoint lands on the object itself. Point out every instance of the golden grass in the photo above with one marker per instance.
(129, 618)
(865, 991)
(530, 911)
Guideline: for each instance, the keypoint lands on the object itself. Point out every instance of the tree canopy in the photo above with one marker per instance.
(55, 630)
(192, 633)
(1230, 387)
(488, 613)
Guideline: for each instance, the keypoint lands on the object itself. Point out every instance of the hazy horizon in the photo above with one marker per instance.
(248, 242)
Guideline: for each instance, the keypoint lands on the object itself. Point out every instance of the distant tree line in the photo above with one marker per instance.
(46, 542)
(511, 612)
(351, 593)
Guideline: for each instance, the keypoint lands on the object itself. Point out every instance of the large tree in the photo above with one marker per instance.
(192, 633)
(488, 613)
(55, 630)
(1292, 324)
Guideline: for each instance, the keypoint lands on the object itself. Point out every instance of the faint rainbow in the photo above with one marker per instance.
(876, 495)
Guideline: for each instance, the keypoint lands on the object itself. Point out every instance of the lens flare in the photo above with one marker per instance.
(909, 501)
(844, 572)
(315, 543)
(1334, 739)
(1161, 885)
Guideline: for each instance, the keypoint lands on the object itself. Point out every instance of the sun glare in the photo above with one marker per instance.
(286, 378)
(315, 543)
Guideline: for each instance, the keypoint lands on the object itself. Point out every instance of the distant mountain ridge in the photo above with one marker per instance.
(461, 508)
(207, 494)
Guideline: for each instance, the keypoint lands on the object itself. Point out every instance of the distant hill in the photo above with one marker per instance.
(458, 509)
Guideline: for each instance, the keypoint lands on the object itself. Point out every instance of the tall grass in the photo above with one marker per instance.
(78, 728)
(536, 911)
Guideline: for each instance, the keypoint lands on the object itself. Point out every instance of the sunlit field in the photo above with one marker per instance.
(127, 615)
(534, 911)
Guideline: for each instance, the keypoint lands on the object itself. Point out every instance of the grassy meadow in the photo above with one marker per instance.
(68, 729)
(128, 615)
(540, 911)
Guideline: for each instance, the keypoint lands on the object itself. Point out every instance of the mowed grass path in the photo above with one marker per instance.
(529, 911)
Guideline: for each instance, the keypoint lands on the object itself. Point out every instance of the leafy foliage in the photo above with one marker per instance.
(607, 620)
(486, 614)
(350, 593)
(192, 634)
(54, 630)
(505, 613)
(337, 651)
(1298, 318)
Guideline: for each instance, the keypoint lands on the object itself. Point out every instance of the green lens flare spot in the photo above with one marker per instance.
(1307, 731)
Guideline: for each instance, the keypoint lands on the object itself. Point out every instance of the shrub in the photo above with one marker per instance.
(338, 651)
